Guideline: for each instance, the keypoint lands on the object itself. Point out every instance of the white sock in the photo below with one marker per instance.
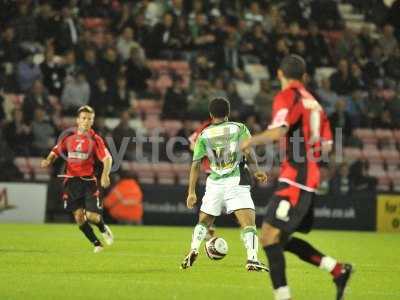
(327, 263)
(250, 240)
(282, 293)
(199, 234)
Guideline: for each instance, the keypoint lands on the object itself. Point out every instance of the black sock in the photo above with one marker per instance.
(276, 265)
(88, 232)
(101, 225)
(304, 251)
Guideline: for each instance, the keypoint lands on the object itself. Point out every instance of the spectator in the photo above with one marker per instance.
(37, 98)
(235, 100)
(374, 69)
(342, 82)
(256, 42)
(27, 72)
(327, 97)
(70, 65)
(67, 31)
(392, 64)
(10, 51)
(53, 73)
(317, 46)
(359, 180)
(101, 127)
(18, 134)
(24, 23)
(229, 58)
(110, 66)
(124, 201)
(75, 93)
(175, 102)
(341, 119)
(252, 124)
(122, 97)
(137, 71)
(163, 39)
(202, 68)
(43, 133)
(124, 130)
(263, 101)
(46, 24)
(339, 184)
(101, 98)
(388, 41)
(124, 19)
(347, 43)
(90, 66)
(198, 100)
(125, 43)
(357, 108)
(253, 15)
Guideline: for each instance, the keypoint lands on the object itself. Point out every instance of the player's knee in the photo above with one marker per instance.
(93, 217)
(79, 218)
(270, 235)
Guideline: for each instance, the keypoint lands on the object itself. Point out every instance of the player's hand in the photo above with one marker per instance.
(261, 176)
(44, 163)
(191, 200)
(105, 181)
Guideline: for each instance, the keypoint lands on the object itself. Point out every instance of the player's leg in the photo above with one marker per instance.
(270, 240)
(87, 230)
(94, 211)
(97, 219)
(247, 220)
(198, 236)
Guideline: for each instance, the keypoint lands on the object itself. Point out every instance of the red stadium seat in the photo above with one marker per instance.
(24, 167)
(352, 154)
(41, 174)
(182, 172)
(367, 136)
(372, 155)
(395, 178)
(144, 172)
(172, 127)
(391, 156)
(165, 173)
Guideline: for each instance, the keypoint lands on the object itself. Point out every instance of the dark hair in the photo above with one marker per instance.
(293, 67)
(219, 107)
(86, 109)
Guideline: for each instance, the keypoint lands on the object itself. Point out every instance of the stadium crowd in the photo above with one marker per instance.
(60, 55)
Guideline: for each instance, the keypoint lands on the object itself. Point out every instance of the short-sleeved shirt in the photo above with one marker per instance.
(80, 151)
(220, 143)
(308, 127)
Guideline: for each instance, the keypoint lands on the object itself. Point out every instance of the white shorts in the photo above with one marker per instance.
(225, 193)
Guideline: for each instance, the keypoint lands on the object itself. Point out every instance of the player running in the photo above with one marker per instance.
(80, 147)
(299, 118)
(228, 185)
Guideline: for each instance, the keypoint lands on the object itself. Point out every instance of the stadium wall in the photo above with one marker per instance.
(22, 202)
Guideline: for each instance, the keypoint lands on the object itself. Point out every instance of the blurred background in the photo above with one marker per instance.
(151, 67)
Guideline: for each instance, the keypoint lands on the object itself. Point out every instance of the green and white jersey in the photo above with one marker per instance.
(221, 144)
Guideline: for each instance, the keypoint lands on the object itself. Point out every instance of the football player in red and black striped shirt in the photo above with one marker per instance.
(81, 147)
(298, 119)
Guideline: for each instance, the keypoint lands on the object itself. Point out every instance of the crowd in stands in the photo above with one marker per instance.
(113, 55)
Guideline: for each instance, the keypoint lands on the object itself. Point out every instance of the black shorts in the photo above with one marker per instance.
(288, 217)
(81, 192)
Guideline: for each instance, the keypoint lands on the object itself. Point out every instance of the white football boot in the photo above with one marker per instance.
(108, 236)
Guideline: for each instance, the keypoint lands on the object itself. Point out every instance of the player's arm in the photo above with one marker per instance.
(193, 177)
(198, 153)
(267, 136)
(48, 160)
(251, 159)
(105, 176)
(104, 156)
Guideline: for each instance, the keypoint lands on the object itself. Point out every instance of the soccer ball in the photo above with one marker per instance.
(216, 248)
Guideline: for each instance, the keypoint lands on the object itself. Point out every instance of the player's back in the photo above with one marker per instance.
(220, 144)
(308, 126)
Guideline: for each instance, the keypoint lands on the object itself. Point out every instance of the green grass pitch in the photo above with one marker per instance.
(56, 262)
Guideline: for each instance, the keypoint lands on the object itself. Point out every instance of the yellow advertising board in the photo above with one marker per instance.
(388, 213)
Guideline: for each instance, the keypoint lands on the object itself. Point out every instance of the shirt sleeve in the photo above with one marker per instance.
(60, 147)
(199, 149)
(280, 111)
(244, 133)
(326, 133)
(100, 148)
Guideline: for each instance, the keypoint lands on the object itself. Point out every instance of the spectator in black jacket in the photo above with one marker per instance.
(137, 71)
